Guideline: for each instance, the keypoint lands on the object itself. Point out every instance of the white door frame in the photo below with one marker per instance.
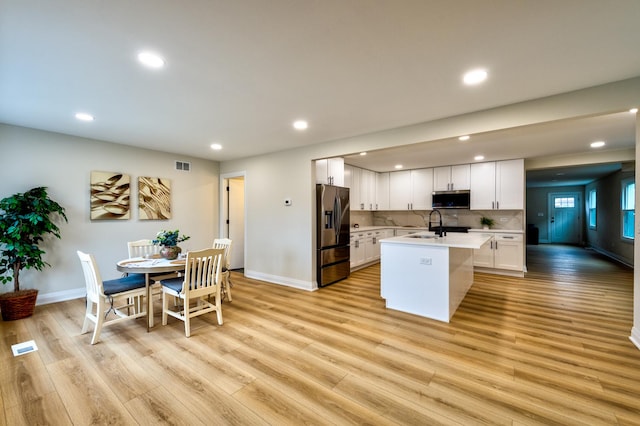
(223, 208)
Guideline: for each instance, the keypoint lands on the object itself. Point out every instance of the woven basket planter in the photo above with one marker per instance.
(18, 305)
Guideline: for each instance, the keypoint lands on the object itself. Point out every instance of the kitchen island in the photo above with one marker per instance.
(427, 275)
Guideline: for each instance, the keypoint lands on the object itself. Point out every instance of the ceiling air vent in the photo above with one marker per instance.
(183, 166)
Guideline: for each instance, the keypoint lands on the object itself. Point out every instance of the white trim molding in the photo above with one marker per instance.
(635, 336)
(61, 296)
(285, 281)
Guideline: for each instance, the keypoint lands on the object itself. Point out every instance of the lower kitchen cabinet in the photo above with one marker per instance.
(357, 253)
(365, 246)
(505, 252)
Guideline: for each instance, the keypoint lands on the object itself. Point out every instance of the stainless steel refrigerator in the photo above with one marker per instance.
(332, 213)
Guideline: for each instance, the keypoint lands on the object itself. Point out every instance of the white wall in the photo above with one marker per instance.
(63, 163)
(279, 239)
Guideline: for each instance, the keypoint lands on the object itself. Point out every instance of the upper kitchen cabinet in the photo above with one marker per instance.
(367, 189)
(382, 191)
(410, 189)
(352, 181)
(330, 171)
(452, 178)
(362, 184)
(497, 185)
(400, 190)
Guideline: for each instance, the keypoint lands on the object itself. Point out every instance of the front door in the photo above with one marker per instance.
(565, 220)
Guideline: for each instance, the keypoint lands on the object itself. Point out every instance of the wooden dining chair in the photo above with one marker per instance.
(103, 296)
(142, 248)
(200, 283)
(225, 243)
(146, 248)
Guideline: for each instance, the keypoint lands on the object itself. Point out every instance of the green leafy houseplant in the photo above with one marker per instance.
(25, 218)
(169, 238)
(486, 221)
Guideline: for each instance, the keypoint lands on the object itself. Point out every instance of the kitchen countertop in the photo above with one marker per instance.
(452, 239)
(418, 229)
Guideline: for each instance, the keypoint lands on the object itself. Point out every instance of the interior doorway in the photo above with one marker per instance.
(565, 217)
(232, 216)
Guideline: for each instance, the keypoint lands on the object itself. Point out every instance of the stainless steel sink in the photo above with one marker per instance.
(422, 236)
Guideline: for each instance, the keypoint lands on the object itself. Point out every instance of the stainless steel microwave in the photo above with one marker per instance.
(451, 199)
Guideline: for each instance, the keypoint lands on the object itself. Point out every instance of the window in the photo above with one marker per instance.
(592, 209)
(628, 207)
(565, 203)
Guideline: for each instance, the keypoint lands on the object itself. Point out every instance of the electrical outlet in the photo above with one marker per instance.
(425, 261)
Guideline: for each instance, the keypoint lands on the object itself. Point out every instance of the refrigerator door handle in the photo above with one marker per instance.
(338, 220)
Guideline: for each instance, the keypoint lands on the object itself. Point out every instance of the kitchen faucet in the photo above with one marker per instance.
(439, 231)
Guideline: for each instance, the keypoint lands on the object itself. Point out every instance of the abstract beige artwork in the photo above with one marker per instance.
(154, 198)
(110, 196)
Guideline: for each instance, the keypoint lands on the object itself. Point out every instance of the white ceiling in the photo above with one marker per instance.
(240, 72)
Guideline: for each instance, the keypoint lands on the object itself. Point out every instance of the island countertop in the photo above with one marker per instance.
(452, 239)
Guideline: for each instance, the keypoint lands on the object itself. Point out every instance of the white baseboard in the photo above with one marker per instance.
(610, 255)
(635, 336)
(275, 279)
(61, 296)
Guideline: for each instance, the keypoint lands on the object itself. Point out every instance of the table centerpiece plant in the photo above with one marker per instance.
(25, 219)
(169, 241)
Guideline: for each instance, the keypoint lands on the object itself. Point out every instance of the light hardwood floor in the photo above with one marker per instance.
(550, 348)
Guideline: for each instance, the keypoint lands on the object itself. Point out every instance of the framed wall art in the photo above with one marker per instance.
(154, 198)
(110, 193)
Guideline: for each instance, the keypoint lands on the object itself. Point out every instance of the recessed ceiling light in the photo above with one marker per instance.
(216, 146)
(300, 124)
(475, 77)
(478, 157)
(597, 144)
(398, 166)
(151, 59)
(464, 138)
(363, 153)
(633, 110)
(84, 116)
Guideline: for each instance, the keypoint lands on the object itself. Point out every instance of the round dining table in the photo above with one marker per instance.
(150, 267)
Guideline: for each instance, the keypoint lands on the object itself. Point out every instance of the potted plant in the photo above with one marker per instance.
(25, 219)
(486, 222)
(169, 241)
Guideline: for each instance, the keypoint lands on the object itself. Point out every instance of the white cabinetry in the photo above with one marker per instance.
(377, 236)
(410, 189)
(370, 247)
(362, 184)
(367, 189)
(382, 191)
(352, 181)
(452, 178)
(504, 251)
(400, 190)
(421, 189)
(498, 185)
(330, 171)
(365, 246)
(357, 253)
